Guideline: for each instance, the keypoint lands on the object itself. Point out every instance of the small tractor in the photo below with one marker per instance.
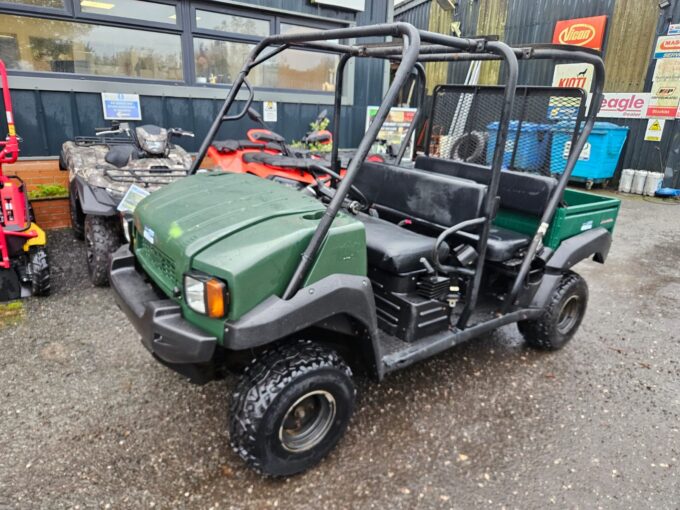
(24, 269)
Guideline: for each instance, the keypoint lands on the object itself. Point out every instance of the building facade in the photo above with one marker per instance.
(632, 29)
(179, 56)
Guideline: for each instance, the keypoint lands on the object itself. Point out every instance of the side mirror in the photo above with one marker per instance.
(255, 115)
(322, 137)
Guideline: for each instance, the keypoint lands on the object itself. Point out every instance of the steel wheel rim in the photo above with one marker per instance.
(569, 315)
(307, 421)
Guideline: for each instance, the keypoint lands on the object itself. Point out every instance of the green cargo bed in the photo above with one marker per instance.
(581, 211)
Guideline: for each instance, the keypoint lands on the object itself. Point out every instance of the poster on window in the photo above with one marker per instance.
(393, 129)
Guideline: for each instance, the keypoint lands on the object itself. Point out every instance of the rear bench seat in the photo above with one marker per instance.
(408, 193)
(518, 191)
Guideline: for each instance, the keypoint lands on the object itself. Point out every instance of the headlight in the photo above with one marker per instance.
(154, 147)
(206, 295)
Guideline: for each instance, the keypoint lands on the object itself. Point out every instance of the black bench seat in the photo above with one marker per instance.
(396, 249)
(502, 243)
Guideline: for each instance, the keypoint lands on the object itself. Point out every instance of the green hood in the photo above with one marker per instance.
(191, 214)
(247, 231)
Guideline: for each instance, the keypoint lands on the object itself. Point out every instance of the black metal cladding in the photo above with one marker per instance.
(533, 21)
(45, 119)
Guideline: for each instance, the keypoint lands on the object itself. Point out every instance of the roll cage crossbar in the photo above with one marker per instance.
(417, 47)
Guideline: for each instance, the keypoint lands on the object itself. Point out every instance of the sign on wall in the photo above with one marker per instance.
(667, 69)
(654, 130)
(395, 126)
(624, 105)
(573, 75)
(270, 111)
(121, 106)
(674, 29)
(667, 46)
(664, 100)
(586, 32)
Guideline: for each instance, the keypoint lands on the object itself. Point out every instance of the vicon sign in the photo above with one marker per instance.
(586, 32)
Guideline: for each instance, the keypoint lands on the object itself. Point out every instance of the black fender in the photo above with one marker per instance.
(593, 243)
(93, 200)
(338, 296)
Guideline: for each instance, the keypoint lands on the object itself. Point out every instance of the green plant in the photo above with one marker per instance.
(315, 147)
(48, 191)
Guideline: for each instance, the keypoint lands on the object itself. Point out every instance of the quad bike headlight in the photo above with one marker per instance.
(206, 295)
(152, 139)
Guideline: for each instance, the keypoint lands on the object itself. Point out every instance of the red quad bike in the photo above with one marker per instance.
(24, 269)
(267, 155)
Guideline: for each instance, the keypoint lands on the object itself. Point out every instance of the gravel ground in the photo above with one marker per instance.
(90, 420)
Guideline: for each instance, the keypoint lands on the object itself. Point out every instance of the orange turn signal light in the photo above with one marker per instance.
(215, 298)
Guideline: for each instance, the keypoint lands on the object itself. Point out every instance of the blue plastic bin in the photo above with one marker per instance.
(599, 157)
(533, 145)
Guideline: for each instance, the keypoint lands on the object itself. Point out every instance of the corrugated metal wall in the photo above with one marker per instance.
(632, 28)
(45, 119)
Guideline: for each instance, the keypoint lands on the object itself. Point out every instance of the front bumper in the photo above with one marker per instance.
(165, 333)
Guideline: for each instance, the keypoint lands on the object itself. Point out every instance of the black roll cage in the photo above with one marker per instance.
(410, 55)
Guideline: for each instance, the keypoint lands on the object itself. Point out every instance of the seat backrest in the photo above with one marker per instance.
(435, 198)
(520, 191)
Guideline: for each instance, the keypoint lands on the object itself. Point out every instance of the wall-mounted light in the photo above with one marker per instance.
(664, 4)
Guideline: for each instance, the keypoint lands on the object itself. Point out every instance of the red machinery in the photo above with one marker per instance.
(23, 257)
(266, 154)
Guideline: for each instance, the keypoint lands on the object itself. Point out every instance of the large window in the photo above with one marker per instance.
(145, 39)
(223, 41)
(132, 9)
(38, 44)
(53, 4)
(220, 22)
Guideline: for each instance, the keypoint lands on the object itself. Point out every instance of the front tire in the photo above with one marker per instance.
(562, 316)
(38, 271)
(290, 408)
(102, 238)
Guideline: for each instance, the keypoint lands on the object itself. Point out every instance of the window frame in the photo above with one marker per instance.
(187, 30)
(123, 22)
(219, 34)
(80, 76)
(33, 10)
(276, 18)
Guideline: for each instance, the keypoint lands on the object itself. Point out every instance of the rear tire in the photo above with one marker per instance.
(102, 238)
(38, 270)
(290, 408)
(77, 220)
(562, 316)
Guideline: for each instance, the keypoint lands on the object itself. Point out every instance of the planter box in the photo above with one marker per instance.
(51, 212)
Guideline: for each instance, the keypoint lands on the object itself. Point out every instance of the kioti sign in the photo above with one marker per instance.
(587, 32)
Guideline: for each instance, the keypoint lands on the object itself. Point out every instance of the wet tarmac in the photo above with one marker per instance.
(88, 419)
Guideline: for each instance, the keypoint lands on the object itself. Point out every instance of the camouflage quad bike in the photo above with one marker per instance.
(101, 171)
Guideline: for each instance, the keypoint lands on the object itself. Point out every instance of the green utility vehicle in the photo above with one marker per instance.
(371, 271)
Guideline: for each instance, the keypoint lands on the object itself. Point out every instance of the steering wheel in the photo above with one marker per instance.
(354, 191)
